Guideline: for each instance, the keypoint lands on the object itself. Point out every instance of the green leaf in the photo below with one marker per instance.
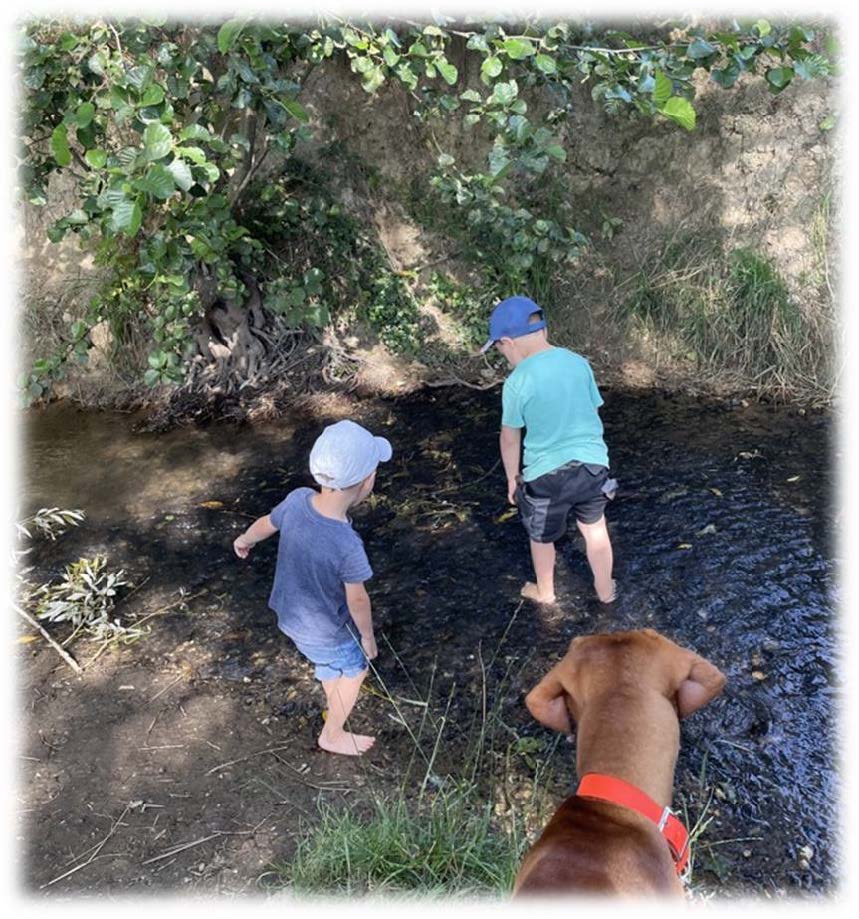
(498, 159)
(491, 67)
(418, 49)
(294, 109)
(127, 158)
(60, 145)
(663, 89)
(97, 63)
(470, 95)
(557, 152)
(195, 132)
(504, 93)
(181, 173)
(373, 80)
(111, 197)
(158, 182)
(700, 49)
(391, 57)
(828, 123)
(154, 95)
(545, 63)
(245, 71)
(763, 28)
(681, 111)
(727, 76)
(228, 33)
(84, 114)
(517, 48)
(140, 77)
(778, 78)
(157, 141)
(127, 216)
(448, 71)
(209, 171)
(96, 158)
(68, 41)
(194, 154)
(407, 75)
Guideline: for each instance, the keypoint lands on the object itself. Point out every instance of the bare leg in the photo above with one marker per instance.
(598, 548)
(543, 557)
(341, 694)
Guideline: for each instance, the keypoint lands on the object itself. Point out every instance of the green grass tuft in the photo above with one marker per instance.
(443, 845)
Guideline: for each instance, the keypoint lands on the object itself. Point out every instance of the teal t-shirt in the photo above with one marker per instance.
(553, 395)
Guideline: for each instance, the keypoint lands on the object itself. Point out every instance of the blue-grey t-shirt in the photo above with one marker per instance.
(315, 557)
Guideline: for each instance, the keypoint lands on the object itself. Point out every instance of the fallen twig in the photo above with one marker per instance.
(96, 849)
(241, 759)
(61, 651)
(175, 850)
(168, 686)
(166, 609)
(332, 786)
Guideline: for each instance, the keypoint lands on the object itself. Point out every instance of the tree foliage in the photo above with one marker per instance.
(164, 127)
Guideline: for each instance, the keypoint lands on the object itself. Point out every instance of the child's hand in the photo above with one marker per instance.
(512, 484)
(242, 546)
(368, 643)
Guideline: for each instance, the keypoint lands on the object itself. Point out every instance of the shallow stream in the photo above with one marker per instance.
(722, 532)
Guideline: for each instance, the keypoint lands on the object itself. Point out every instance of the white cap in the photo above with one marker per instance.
(345, 453)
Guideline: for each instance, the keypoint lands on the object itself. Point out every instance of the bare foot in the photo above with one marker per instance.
(530, 592)
(612, 595)
(346, 743)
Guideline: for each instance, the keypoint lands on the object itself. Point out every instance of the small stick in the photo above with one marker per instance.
(332, 786)
(98, 653)
(167, 609)
(177, 849)
(134, 590)
(61, 651)
(241, 759)
(96, 850)
(168, 686)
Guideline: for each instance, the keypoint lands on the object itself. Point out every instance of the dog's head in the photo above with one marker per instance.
(595, 664)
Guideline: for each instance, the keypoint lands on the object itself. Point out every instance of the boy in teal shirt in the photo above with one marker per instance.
(552, 394)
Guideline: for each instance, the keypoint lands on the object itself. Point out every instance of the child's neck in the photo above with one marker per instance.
(333, 504)
(535, 348)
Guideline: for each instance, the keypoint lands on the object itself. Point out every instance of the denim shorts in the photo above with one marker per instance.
(333, 661)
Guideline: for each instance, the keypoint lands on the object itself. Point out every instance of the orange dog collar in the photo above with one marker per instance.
(616, 791)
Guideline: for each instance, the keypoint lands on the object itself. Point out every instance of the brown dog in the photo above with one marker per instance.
(626, 692)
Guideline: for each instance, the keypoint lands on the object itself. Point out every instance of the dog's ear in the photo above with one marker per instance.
(702, 683)
(547, 701)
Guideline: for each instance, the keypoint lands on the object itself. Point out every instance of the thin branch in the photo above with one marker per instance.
(57, 647)
(96, 850)
(181, 848)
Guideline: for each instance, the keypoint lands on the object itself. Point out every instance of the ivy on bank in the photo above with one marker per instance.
(163, 129)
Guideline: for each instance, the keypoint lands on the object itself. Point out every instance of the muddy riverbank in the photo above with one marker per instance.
(192, 750)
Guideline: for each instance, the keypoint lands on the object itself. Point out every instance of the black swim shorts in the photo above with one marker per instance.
(545, 503)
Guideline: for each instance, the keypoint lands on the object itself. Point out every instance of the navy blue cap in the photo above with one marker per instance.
(510, 320)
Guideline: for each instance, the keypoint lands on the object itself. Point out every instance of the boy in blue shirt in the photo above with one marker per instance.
(318, 593)
(552, 394)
